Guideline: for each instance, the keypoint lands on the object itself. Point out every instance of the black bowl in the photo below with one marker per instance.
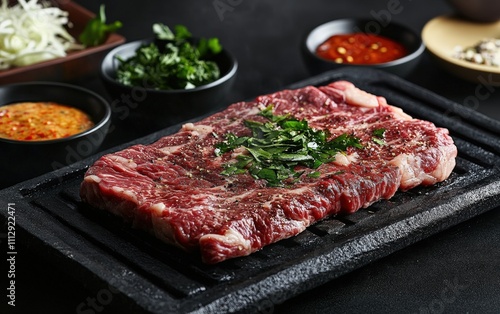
(22, 160)
(399, 33)
(482, 11)
(160, 108)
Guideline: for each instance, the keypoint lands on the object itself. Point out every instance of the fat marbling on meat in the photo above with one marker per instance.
(174, 188)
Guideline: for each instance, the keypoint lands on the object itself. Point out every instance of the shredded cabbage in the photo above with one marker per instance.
(32, 32)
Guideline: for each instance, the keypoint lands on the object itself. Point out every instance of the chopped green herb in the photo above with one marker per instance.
(379, 133)
(280, 144)
(314, 174)
(96, 31)
(378, 141)
(378, 136)
(173, 61)
(163, 32)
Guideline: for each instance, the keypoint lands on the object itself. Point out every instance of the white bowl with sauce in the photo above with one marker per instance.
(24, 157)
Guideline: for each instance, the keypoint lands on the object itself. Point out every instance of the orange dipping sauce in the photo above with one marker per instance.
(39, 121)
(360, 48)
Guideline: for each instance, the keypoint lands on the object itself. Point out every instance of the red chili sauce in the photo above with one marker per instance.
(39, 121)
(360, 48)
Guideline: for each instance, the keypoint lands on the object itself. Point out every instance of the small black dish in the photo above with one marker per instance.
(399, 33)
(22, 160)
(141, 105)
(480, 11)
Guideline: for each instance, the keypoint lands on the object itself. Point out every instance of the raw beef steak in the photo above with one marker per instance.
(175, 189)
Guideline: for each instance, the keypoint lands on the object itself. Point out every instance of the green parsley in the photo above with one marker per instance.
(173, 61)
(279, 145)
(378, 136)
(96, 30)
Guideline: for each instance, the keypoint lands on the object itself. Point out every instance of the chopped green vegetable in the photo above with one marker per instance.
(163, 32)
(277, 146)
(172, 62)
(96, 31)
(314, 174)
(378, 136)
(379, 133)
(181, 32)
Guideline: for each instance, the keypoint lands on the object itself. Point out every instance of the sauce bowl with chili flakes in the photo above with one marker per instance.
(362, 43)
(45, 126)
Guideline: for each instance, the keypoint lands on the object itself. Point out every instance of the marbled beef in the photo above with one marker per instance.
(174, 188)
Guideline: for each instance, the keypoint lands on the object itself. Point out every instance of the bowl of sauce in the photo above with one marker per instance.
(46, 126)
(362, 43)
(41, 121)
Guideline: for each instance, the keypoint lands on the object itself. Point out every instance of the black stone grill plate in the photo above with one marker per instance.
(151, 277)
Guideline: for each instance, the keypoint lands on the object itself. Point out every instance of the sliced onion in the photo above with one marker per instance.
(32, 32)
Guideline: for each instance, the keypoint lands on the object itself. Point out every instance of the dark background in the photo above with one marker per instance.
(455, 271)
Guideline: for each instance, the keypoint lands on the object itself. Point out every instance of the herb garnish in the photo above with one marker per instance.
(96, 30)
(280, 144)
(173, 61)
(378, 136)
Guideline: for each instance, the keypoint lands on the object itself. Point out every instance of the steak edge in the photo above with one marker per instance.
(174, 188)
